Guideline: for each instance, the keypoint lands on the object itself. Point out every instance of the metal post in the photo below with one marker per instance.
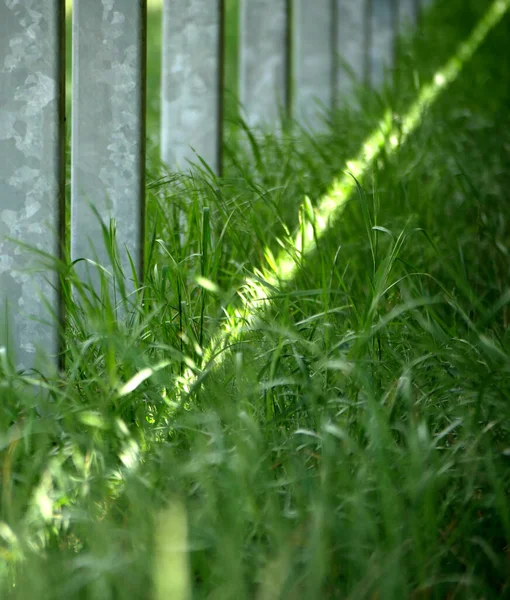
(108, 130)
(382, 42)
(313, 64)
(32, 138)
(351, 46)
(191, 92)
(263, 48)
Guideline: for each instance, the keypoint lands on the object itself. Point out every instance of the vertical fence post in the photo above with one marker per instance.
(108, 129)
(313, 30)
(263, 60)
(191, 82)
(407, 15)
(31, 171)
(382, 39)
(351, 47)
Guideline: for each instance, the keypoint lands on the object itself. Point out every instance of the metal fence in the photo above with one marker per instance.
(292, 53)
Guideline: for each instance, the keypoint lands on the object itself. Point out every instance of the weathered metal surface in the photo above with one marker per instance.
(407, 15)
(382, 39)
(352, 46)
(109, 115)
(313, 63)
(191, 82)
(108, 129)
(31, 172)
(263, 60)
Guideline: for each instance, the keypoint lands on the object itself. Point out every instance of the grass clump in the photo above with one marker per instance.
(352, 441)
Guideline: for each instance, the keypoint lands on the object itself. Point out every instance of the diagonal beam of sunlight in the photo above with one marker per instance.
(314, 222)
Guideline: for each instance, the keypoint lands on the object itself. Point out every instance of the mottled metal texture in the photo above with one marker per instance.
(382, 39)
(263, 60)
(31, 172)
(407, 15)
(191, 82)
(313, 60)
(352, 45)
(108, 130)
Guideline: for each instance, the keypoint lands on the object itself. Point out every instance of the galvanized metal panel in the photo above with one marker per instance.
(407, 14)
(313, 63)
(108, 128)
(352, 45)
(263, 59)
(191, 81)
(31, 169)
(382, 39)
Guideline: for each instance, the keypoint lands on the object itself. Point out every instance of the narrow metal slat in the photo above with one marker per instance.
(263, 60)
(192, 81)
(108, 130)
(382, 39)
(31, 174)
(313, 32)
(351, 46)
(407, 15)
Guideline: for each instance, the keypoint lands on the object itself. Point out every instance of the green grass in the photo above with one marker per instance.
(354, 440)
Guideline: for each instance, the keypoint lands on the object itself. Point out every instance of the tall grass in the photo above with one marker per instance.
(354, 440)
